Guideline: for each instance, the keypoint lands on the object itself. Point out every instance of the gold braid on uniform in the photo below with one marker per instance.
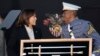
(91, 30)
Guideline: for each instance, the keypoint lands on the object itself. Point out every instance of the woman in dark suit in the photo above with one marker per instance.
(25, 29)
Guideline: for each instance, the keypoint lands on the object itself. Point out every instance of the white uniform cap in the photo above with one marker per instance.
(68, 6)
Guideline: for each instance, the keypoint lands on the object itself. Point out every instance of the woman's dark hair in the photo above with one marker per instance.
(24, 17)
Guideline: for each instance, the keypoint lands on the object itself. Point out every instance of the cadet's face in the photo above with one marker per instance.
(32, 20)
(67, 16)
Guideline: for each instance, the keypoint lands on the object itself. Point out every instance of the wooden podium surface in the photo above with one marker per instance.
(47, 47)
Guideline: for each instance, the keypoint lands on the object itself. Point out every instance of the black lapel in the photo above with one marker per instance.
(37, 32)
(23, 33)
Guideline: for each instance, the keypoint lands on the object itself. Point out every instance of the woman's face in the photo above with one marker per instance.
(32, 20)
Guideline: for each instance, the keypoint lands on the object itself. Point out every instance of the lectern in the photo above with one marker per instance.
(56, 47)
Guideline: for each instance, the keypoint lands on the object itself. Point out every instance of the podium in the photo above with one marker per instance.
(56, 47)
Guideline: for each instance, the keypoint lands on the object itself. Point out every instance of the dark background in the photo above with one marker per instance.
(90, 9)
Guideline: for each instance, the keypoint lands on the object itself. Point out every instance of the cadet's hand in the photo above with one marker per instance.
(96, 54)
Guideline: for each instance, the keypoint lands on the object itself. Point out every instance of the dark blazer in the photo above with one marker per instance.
(19, 33)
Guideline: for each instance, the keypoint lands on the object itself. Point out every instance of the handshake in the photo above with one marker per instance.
(56, 30)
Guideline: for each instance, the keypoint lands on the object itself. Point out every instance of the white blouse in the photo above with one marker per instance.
(30, 32)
